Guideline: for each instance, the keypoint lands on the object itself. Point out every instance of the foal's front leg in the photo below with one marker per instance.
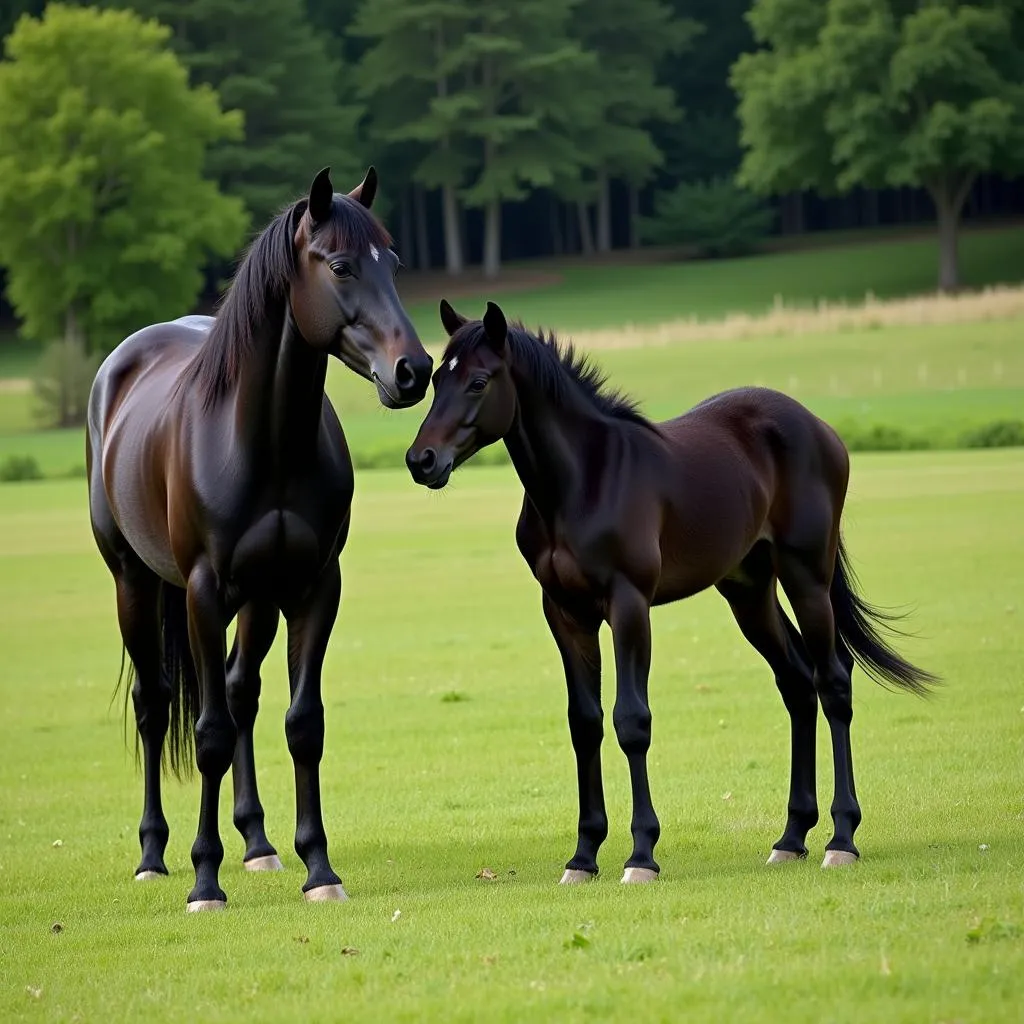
(309, 629)
(581, 657)
(630, 618)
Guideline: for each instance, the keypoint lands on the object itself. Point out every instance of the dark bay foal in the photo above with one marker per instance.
(742, 493)
(220, 484)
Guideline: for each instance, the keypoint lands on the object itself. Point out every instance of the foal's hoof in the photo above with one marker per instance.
(784, 856)
(198, 906)
(573, 876)
(269, 863)
(326, 894)
(839, 859)
(148, 876)
(639, 876)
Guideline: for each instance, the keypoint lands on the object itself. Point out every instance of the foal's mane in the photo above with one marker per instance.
(554, 367)
(262, 278)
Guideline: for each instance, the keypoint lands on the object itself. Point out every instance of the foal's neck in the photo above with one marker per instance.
(550, 441)
(280, 395)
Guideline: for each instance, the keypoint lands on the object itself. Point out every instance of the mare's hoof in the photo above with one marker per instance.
(148, 876)
(639, 876)
(839, 859)
(197, 906)
(784, 856)
(269, 863)
(326, 894)
(573, 876)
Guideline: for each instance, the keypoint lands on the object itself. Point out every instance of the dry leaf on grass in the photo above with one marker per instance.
(486, 874)
(349, 951)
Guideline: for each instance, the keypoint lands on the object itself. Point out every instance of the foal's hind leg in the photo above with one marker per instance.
(765, 626)
(257, 626)
(805, 572)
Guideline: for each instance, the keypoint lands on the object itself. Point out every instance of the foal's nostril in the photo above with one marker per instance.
(428, 460)
(405, 375)
(421, 463)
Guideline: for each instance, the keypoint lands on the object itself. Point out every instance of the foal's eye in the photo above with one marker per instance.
(478, 385)
(341, 269)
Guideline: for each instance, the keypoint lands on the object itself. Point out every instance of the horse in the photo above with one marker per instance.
(220, 484)
(743, 493)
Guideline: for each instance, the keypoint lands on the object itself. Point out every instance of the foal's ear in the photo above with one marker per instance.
(365, 192)
(496, 328)
(450, 320)
(321, 196)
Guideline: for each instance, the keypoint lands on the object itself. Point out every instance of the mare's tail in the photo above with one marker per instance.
(179, 681)
(861, 626)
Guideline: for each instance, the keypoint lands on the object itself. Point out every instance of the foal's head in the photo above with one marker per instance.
(474, 397)
(343, 297)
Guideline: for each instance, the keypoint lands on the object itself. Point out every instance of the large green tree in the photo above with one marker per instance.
(882, 93)
(106, 218)
(264, 58)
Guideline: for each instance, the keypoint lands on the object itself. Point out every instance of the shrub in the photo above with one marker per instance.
(62, 383)
(19, 467)
(998, 434)
(717, 217)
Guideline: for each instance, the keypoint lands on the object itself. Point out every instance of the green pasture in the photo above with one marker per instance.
(448, 752)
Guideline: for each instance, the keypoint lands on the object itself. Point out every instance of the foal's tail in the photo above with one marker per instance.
(179, 681)
(861, 626)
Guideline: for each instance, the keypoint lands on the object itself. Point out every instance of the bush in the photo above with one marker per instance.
(881, 438)
(19, 467)
(392, 456)
(998, 434)
(62, 383)
(717, 217)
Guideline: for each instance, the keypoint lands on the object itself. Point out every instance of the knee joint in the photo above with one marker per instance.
(633, 730)
(215, 744)
(304, 729)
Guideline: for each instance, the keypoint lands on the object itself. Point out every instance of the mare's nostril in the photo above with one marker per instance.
(405, 375)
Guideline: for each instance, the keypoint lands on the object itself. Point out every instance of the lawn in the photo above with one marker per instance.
(448, 752)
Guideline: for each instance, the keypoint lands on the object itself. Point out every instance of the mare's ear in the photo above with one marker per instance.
(321, 196)
(450, 320)
(364, 192)
(496, 328)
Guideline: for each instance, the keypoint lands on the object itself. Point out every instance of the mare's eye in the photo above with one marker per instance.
(478, 385)
(341, 269)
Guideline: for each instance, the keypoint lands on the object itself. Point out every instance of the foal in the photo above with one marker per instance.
(742, 493)
(220, 483)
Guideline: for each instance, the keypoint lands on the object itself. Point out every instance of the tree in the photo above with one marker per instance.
(105, 216)
(264, 58)
(881, 92)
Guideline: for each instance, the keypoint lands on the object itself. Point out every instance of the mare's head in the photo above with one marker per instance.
(342, 292)
(474, 397)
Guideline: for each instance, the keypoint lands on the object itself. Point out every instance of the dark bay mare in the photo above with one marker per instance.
(742, 493)
(220, 483)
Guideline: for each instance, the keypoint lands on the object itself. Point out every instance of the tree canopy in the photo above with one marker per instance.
(106, 218)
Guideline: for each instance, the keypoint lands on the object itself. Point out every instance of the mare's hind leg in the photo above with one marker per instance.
(751, 596)
(805, 571)
(257, 626)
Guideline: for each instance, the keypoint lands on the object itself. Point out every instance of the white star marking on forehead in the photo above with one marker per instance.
(453, 362)
(375, 253)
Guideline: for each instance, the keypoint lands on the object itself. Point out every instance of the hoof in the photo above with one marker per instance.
(198, 906)
(326, 894)
(148, 876)
(839, 859)
(639, 876)
(268, 863)
(573, 876)
(784, 856)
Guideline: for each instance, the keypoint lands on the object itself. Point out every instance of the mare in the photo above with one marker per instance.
(742, 493)
(220, 484)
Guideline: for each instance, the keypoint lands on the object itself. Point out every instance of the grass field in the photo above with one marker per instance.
(448, 752)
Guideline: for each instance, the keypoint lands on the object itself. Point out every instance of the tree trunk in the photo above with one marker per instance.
(557, 238)
(586, 232)
(405, 227)
(604, 213)
(419, 211)
(634, 217)
(871, 207)
(949, 197)
(452, 231)
(492, 238)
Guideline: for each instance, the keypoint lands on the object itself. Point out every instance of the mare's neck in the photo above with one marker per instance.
(280, 394)
(550, 441)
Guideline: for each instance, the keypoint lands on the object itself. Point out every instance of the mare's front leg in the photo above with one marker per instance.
(257, 627)
(309, 630)
(581, 658)
(215, 730)
(630, 619)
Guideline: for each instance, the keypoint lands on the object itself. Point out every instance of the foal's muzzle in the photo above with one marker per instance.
(428, 468)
